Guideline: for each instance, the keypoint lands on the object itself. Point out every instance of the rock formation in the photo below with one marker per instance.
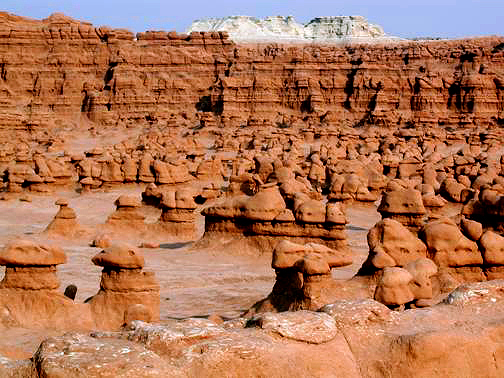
(348, 337)
(451, 82)
(303, 277)
(29, 295)
(245, 29)
(179, 217)
(123, 286)
(65, 222)
(127, 216)
(266, 218)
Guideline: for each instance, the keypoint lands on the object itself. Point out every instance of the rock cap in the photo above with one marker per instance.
(120, 256)
(27, 253)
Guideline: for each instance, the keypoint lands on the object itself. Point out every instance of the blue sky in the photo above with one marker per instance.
(441, 18)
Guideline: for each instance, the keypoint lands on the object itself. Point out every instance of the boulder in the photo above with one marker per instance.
(447, 246)
(492, 248)
(392, 244)
(393, 287)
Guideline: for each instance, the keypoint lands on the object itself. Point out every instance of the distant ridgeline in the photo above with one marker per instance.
(278, 28)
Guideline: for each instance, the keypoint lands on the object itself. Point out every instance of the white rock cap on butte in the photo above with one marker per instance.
(278, 28)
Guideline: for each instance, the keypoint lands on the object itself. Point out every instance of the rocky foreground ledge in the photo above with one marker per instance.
(351, 338)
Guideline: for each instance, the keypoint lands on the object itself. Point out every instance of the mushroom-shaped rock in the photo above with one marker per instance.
(120, 256)
(89, 183)
(30, 265)
(393, 287)
(179, 216)
(123, 284)
(422, 271)
(303, 277)
(65, 222)
(28, 253)
(28, 291)
(127, 201)
(127, 213)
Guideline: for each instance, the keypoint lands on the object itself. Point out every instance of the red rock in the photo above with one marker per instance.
(120, 256)
(27, 253)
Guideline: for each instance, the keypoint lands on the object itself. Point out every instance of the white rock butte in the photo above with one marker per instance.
(278, 28)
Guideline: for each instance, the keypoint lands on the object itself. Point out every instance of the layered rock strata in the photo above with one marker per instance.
(178, 217)
(105, 75)
(266, 217)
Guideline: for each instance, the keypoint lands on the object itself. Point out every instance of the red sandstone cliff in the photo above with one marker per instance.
(59, 71)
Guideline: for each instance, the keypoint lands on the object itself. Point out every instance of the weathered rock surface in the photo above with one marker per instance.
(286, 29)
(123, 286)
(303, 277)
(29, 296)
(438, 80)
(351, 338)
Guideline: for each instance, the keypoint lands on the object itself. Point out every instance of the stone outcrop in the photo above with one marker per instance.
(29, 295)
(65, 223)
(118, 79)
(353, 338)
(303, 277)
(392, 244)
(285, 29)
(123, 285)
(266, 217)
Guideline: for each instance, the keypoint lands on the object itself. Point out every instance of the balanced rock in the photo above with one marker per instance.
(28, 291)
(127, 215)
(178, 215)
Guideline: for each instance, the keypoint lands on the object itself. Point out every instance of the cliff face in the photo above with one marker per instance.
(60, 71)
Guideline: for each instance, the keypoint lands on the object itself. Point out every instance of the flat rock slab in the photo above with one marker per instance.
(307, 326)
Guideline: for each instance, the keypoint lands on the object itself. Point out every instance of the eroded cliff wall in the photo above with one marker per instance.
(60, 71)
